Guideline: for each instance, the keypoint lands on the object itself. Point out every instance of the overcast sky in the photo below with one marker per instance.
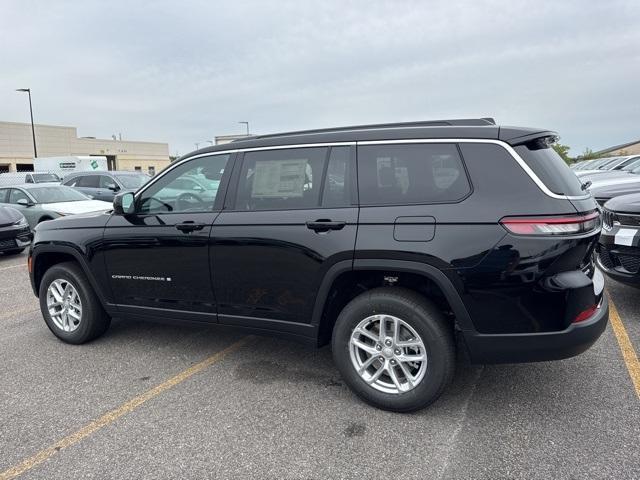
(184, 71)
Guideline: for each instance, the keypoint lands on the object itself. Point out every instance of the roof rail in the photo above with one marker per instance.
(459, 122)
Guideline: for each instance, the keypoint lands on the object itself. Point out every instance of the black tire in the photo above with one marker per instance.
(429, 324)
(93, 322)
(15, 251)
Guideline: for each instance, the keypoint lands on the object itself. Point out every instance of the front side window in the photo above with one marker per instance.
(106, 181)
(190, 187)
(16, 195)
(411, 173)
(281, 179)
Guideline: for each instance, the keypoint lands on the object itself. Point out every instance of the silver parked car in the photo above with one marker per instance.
(40, 202)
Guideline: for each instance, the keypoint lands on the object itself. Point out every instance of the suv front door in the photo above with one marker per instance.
(291, 215)
(158, 258)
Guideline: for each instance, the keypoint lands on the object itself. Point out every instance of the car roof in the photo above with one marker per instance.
(103, 172)
(29, 186)
(480, 128)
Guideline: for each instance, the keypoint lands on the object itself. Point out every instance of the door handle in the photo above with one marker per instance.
(323, 225)
(189, 226)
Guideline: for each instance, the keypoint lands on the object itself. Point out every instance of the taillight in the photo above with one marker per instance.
(552, 225)
(586, 314)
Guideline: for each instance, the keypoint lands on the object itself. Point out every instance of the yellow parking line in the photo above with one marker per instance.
(14, 266)
(626, 347)
(118, 412)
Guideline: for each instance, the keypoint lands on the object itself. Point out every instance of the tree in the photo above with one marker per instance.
(563, 151)
(589, 154)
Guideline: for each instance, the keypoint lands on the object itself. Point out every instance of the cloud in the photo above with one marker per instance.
(183, 72)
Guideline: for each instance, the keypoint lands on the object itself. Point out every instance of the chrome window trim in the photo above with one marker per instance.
(501, 143)
(236, 150)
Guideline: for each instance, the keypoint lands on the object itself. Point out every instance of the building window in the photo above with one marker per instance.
(152, 170)
(137, 169)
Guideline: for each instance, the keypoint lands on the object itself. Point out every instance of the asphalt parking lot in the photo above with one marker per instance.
(157, 401)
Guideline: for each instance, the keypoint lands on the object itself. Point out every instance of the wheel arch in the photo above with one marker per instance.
(333, 293)
(45, 257)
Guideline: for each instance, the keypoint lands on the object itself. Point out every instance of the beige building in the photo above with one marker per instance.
(223, 139)
(631, 148)
(16, 148)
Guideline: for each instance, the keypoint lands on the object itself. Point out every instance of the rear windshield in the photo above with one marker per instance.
(45, 177)
(550, 168)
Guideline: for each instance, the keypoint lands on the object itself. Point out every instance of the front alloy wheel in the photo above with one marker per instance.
(64, 305)
(388, 354)
(69, 305)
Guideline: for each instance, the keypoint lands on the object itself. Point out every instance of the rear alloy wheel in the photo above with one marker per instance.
(388, 354)
(394, 349)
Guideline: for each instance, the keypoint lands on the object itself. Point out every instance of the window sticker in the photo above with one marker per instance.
(279, 178)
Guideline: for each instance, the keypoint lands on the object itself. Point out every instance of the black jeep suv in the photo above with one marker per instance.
(388, 241)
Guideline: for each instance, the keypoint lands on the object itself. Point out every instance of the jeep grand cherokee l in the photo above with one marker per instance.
(387, 241)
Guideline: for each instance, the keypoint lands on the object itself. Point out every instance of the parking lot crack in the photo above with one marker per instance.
(451, 444)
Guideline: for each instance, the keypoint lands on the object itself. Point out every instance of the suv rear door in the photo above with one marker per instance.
(291, 214)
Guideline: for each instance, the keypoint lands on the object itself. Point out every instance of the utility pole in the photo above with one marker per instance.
(33, 129)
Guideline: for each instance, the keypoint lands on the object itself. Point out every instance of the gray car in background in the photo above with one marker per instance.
(104, 185)
(47, 201)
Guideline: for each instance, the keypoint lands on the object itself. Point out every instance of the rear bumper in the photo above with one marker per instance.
(537, 347)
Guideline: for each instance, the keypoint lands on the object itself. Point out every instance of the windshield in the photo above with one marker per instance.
(45, 177)
(132, 182)
(56, 193)
(632, 166)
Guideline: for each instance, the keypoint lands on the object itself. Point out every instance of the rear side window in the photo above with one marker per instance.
(411, 173)
(550, 168)
(281, 179)
(88, 181)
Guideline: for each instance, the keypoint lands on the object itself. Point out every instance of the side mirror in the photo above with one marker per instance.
(124, 203)
(24, 202)
(113, 187)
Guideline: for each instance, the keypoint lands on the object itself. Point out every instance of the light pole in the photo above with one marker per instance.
(247, 125)
(197, 144)
(33, 130)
